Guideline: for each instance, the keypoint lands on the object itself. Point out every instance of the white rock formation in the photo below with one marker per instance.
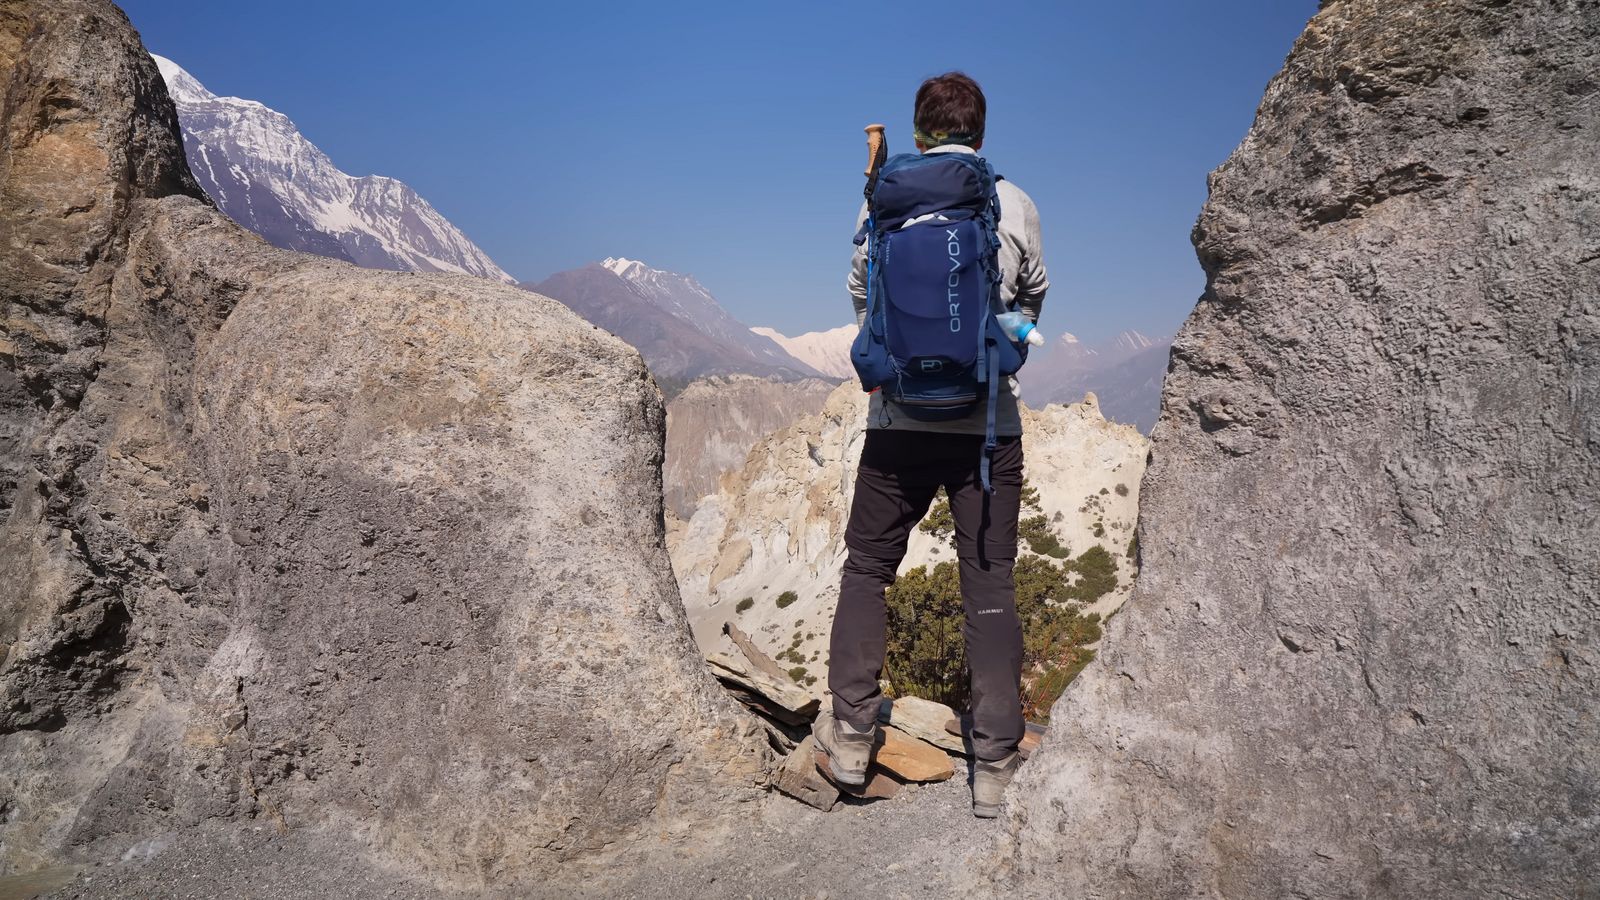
(778, 524)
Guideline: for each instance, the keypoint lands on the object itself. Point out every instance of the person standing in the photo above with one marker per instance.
(911, 451)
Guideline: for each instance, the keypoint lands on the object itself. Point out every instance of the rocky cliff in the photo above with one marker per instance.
(318, 548)
(1363, 654)
(714, 422)
(777, 524)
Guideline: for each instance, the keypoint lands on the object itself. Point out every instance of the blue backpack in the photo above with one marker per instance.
(930, 341)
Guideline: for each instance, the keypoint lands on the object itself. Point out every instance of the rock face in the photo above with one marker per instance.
(321, 547)
(1364, 650)
(714, 422)
(777, 524)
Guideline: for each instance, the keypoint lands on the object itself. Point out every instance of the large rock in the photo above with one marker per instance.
(324, 548)
(1363, 656)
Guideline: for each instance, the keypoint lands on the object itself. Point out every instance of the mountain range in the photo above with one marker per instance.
(681, 330)
(263, 173)
(826, 351)
(1124, 373)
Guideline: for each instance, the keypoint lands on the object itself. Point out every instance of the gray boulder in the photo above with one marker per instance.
(289, 543)
(1363, 656)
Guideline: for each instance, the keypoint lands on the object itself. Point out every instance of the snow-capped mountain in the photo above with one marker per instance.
(826, 351)
(674, 322)
(266, 176)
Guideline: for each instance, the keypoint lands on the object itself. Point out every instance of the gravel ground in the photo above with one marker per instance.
(913, 845)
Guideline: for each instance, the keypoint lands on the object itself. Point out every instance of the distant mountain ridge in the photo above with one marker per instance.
(674, 322)
(826, 351)
(1124, 373)
(265, 175)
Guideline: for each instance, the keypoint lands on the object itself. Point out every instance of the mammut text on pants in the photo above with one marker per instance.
(899, 474)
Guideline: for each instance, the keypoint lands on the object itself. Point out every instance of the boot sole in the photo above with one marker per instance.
(985, 812)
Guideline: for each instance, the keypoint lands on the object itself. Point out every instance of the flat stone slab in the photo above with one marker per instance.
(910, 758)
(802, 780)
(922, 719)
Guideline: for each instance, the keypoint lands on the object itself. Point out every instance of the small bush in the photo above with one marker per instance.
(1122, 490)
(939, 522)
(926, 652)
(1097, 574)
(1035, 530)
(799, 673)
(744, 604)
(1133, 546)
(786, 598)
(1030, 497)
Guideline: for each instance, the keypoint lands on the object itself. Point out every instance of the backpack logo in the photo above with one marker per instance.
(932, 365)
(953, 247)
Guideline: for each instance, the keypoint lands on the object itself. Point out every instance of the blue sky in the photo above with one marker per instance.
(725, 140)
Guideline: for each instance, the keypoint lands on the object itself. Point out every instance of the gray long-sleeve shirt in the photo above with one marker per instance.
(1024, 284)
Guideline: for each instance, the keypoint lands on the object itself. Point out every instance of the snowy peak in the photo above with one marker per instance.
(183, 87)
(1132, 342)
(624, 267)
(679, 327)
(266, 176)
(826, 351)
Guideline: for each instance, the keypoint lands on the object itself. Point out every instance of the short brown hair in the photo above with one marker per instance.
(951, 104)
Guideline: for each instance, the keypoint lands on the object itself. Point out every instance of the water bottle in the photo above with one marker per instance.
(1019, 329)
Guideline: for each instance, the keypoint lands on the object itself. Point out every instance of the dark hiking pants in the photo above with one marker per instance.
(899, 474)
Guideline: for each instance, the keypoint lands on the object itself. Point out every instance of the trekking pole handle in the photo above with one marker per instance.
(875, 149)
(877, 152)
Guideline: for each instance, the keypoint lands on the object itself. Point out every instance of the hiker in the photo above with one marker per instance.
(943, 413)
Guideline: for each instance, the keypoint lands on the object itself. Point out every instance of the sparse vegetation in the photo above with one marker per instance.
(800, 673)
(1097, 574)
(939, 522)
(1035, 531)
(926, 651)
(1122, 489)
(786, 598)
(744, 604)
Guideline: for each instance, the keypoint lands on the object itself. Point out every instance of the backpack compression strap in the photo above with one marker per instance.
(989, 442)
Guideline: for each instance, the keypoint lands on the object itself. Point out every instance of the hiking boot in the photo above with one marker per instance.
(848, 750)
(989, 780)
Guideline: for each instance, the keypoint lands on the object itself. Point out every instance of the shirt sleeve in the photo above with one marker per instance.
(1032, 281)
(857, 282)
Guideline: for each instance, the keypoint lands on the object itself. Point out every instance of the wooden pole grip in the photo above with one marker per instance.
(874, 148)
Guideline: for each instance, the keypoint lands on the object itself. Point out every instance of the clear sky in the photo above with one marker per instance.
(724, 139)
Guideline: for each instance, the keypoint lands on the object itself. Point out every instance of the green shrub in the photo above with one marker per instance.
(939, 522)
(786, 598)
(744, 604)
(1097, 574)
(1035, 531)
(926, 653)
(800, 673)
(1133, 546)
(1122, 490)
